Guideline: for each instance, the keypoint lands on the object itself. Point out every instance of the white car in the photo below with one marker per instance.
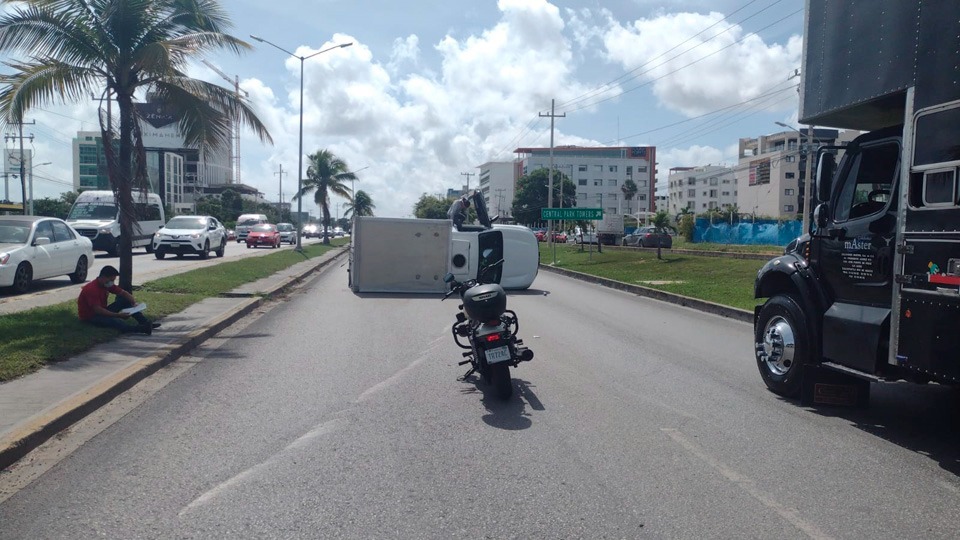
(197, 235)
(288, 233)
(36, 247)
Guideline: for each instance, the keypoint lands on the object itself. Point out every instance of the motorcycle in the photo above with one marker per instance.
(490, 330)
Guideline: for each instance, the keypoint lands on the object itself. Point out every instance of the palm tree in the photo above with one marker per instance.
(661, 224)
(629, 189)
(361, 205)
(120, 49)
(326, 175)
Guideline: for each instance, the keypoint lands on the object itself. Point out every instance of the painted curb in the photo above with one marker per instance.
(44, 426)
(656, 294)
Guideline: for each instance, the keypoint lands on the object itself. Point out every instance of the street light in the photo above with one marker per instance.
(300, 154)
(808, 174)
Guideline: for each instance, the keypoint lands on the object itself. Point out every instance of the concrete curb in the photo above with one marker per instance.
(43, 426)
(686, 301)
(699, 253)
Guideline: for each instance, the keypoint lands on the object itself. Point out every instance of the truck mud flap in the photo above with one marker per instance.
(822, 386)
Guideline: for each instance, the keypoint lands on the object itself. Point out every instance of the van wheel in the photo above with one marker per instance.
(22, 278)
(149, 246)
(206, 250)
(114, 249)
(782, 345)
(80, 274)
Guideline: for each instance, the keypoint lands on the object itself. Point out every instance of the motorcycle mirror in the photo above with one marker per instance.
(448, 278)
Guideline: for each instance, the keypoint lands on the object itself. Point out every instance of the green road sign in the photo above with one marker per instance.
(573, 214)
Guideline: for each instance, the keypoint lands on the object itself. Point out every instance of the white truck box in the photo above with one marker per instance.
(396, 255)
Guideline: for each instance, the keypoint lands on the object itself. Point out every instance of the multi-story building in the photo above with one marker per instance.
(599, 174)
(701, 189)
(178, 172)
(498, 184)
(770, 176)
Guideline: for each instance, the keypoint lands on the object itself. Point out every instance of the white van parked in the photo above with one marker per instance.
(95, 216)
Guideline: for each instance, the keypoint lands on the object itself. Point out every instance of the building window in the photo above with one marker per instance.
(691, 181)
(726, 180)
(643, 196)
(642, 168)
(704, 193)
(713, 193)
(582, 182)
(597, 182)
(612, 168)
(789, 175)
(629, 170)
(611, 183)
(788, 191)
(691, 193)
(790, 159)
(642, 183)
(788, 208)
(598, 168)
(714, 181)
(713, 204)
(611, 209)
(691, 205)
(704, 205)
(582, 168)
(582, 196)
(726, 193)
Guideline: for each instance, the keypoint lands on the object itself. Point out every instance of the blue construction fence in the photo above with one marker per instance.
(761, 231)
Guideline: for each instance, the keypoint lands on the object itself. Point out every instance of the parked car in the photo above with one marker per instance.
(311, 231)
(263, 235)
(288, 233)
(541, 235)
(648, 237)
(585, 238)
(35, 247)
(194, 235)
(559, 236)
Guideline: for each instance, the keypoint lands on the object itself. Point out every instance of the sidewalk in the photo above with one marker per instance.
(36, 407)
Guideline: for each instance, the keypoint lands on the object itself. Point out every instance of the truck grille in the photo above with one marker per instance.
(89, 233)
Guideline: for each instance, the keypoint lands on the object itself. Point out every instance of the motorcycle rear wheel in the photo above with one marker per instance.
(500, 378)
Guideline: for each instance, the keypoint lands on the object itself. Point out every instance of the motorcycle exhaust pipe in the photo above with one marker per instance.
(526, 355)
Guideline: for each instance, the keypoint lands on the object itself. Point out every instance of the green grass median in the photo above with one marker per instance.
(38, 336)
(721, 280)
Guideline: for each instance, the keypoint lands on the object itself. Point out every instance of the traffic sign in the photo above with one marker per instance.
(572, 214)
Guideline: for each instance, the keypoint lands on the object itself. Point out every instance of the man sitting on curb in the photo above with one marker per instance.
(92, 305)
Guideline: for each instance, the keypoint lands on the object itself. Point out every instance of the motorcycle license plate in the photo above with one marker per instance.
(500, 354)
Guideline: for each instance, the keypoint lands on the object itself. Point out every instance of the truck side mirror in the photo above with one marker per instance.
(821, 215)
(825, 169)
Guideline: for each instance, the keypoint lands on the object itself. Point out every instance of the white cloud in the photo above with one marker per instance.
(727, 70)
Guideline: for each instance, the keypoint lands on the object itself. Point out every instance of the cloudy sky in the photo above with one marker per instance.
(433, 88)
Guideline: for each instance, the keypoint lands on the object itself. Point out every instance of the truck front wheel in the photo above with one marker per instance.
(782, 345)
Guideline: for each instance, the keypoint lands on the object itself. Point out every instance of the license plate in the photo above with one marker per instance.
(500, 354)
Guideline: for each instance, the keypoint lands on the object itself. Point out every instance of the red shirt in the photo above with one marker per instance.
(93, 294)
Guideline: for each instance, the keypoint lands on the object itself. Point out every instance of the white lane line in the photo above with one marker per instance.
(790, 514)
(322, 429)
(395, 378)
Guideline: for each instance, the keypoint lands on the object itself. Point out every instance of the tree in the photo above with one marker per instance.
(531, 194)
(432, 207)
(210, 206)
(629, 189)
(120, 49)
(361, 205)
(326, 175)
(661, 224)
(232, 204)
(51, 207)
(69, 197)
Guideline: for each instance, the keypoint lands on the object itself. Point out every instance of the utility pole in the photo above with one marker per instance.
(280, 173)
(23, 166)
(499, 199)
(552, 116)
(468, 175)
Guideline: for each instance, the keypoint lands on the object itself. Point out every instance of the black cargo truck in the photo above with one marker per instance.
(871, 292)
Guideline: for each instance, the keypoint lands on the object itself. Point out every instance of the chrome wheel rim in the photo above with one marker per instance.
(82, 269)
(778, 347)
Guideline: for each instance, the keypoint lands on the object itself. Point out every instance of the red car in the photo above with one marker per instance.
(560, 236)
(541, 235)
(263, 235)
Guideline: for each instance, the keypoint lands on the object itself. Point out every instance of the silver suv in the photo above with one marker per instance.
(288, 233)
(197, 235)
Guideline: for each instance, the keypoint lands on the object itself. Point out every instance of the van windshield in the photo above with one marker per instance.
(93, 210)
(249, 222)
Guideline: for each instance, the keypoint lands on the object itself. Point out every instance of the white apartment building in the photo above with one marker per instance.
(701, 189)
(599, 174)
(770, 176)
(498, 184)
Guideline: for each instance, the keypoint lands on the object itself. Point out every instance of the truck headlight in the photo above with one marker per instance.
(105, 230)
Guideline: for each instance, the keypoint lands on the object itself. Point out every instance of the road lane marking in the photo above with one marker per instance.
(790, 514)
(395, 378)
(300, 442)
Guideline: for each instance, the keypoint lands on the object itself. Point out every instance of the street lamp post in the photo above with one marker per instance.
(808, 174)
(32, 167)
(300, 146)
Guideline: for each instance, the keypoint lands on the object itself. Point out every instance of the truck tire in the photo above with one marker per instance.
(782, 345)
(500, 377)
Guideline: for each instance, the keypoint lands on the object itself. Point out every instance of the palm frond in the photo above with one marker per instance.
(40, 82)
(55, 33)
(201, 123)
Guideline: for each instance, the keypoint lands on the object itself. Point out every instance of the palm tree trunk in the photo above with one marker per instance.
(123, 186)
(325, 209)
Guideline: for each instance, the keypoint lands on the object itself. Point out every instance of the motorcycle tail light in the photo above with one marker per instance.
(493, 337)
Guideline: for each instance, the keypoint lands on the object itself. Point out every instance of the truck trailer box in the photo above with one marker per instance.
(396, 255)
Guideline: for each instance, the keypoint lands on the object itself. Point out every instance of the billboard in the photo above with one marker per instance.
(159, 126)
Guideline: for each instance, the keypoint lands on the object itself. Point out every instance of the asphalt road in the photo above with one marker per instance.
(336, 415)
(51, 291)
